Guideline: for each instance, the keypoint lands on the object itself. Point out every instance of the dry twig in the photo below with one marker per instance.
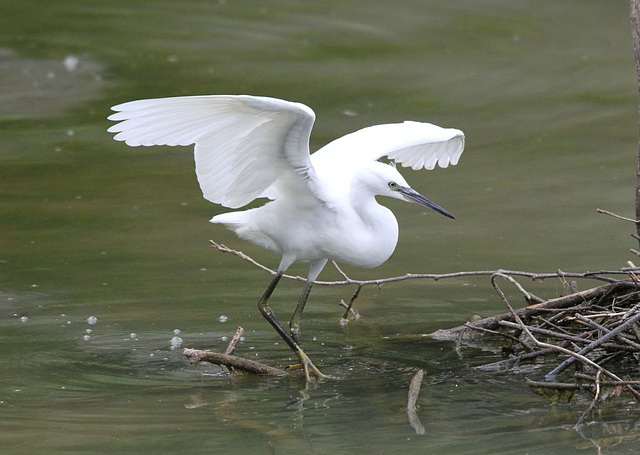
(346, 281)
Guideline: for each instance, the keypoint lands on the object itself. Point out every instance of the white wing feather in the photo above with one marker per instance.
(412, 144)
(243, 144)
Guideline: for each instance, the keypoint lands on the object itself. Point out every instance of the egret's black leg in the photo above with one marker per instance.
(294, 323)
(315, 267)
(267, 312)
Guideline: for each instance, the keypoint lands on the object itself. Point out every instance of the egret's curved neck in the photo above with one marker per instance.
(363, 201)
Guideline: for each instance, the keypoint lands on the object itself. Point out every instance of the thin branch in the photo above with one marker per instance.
(346, 281)
(234, 341)
(340, 271)
(593, 403)
(604, 383)
(232, 347)
(349, 307)
(497, 333)
(546, 332)
(510, 362)
(619, 217)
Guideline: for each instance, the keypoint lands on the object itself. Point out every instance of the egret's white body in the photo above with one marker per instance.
(322, 206)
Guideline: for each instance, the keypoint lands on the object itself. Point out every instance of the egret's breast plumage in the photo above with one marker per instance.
(347, 226)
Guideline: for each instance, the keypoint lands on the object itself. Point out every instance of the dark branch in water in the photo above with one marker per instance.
(196, 356)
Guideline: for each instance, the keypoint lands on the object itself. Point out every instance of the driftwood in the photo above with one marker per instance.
(412, 402)
(232, 362)
(196, 356)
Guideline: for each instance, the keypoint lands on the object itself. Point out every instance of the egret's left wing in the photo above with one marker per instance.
(412, 144)
(245, 146)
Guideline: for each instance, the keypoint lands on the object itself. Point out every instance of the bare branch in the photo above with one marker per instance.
(234, 341)
(412, 400)
(619, 217)
(196, 356)
(598, 275)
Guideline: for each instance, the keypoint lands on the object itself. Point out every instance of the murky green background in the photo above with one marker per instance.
(546, 94)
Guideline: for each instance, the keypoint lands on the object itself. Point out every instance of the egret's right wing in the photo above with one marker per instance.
(412, 144)
(243, 144)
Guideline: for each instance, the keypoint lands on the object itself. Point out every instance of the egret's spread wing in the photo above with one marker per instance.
(243, 144)
(412, 144)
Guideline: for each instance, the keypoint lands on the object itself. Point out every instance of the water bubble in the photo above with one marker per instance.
(133, 335)
(224, 318)
(224, 338)
(24, 319)
(176, 342)
(86, 337)
(71, 62)
(88, 330)
(92, 320)
(177, 332)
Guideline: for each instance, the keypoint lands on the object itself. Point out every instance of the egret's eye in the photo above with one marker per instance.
(393, 185)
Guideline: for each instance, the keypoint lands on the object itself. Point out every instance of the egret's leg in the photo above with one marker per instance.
(267, 312)
(294, 323)
(315, 267)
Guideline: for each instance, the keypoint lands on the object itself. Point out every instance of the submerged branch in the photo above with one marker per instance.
(412, 402)
(196, 356)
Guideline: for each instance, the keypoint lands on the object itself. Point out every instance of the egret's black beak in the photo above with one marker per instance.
(413, 196)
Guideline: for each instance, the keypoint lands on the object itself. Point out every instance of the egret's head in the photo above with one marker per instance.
(389, 182)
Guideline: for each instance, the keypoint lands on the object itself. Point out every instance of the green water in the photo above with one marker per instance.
(546, 94)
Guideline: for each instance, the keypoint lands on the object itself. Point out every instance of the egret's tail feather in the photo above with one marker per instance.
(232, 220)
(244, 228)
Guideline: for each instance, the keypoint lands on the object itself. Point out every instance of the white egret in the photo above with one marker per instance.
(322, 206)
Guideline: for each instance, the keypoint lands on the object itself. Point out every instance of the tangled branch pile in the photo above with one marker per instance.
(594, 336)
